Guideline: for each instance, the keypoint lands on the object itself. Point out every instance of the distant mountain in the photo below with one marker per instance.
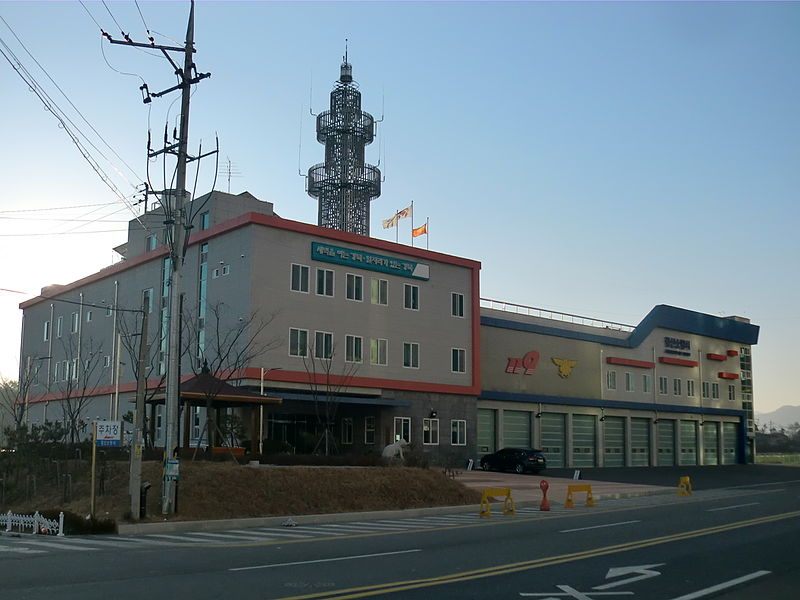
(783, 417)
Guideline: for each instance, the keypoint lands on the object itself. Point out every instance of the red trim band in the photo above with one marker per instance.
(681, 362)
(733, 353)
(719, 357)
(723, 375)
(629, 362)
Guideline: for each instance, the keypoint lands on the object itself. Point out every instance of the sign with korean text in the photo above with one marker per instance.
(367, 260)
(108, 433)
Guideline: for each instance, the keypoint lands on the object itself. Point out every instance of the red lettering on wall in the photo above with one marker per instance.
(527, 362)
(514, 365)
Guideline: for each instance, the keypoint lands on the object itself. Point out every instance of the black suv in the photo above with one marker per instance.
(515, 459)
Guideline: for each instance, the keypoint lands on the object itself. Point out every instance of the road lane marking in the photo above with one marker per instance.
(723, 586)
(464, 576)
(734, 506)
(571, 592)
(59, 545)
(599, 526)
(323, 560)
(22, 550)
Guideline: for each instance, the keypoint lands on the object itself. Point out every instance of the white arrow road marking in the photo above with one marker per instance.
(598, 526)
(734, 506)
(722, 586)
(641, 571)
(322, 560)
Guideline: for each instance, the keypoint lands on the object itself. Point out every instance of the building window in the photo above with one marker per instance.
(647, 384)
(731, 392)
(205, 221)
(323, 344)
(109, 311)
(458, 363)
(150, 243)
(55, 371)
(715, 390)
(458, 432)
(159, 420)
(196, 422)
(106, 361)
(402, 429)
(380, 291)
(147, 300)
(47, 331)
(378, 351)
(74, 370)
(663, 385)
(676, 387)
(690, 388)
(74, 323)
(299, 282)
(369, 430)
(355, 287)
(629, 386)
(411, 355)
(324, 282)
(88, 316)
(706, 389)
(226, 269)
(353, 348)
(611, 380)
(64, 370)
(457, 304)
(430, 432)
(347, 431)
(410, 296)
(59, 326)
(298, 342)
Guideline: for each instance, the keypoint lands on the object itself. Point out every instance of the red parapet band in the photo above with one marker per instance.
(682, 362)
(628, 362)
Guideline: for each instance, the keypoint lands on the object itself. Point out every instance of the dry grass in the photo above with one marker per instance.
(214, 490)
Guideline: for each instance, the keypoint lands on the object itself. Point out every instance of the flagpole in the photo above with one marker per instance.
(427, 235)
(397, 227)
(412, 223)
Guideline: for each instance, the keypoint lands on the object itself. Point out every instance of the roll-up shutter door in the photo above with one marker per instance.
(729, 439)
(614, 440)
(666, 443)
(583, 440)
(640, 442)
(516, 429)
(688, 443)
(486, 429)
(710, 441)
(553, 438)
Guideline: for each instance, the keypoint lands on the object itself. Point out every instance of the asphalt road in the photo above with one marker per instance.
(729, 542)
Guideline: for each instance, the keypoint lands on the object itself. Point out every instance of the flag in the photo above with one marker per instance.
(406, 212)
(421, 230)
(392, 222)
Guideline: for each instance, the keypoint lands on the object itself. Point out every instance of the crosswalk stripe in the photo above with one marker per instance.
(21, 550)
(276, 533)
(235, 537)
(320, 530)
(74, 540)
(59, 545)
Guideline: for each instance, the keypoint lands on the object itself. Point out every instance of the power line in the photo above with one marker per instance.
(55, 208)
(112, 18)
(61, 233)
(60, 220)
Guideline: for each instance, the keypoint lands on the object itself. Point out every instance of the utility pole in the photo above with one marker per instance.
(176, 222)
(138, 422)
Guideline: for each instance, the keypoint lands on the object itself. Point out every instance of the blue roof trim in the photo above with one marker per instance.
(663, 316)
(309, 397)
(597, 403)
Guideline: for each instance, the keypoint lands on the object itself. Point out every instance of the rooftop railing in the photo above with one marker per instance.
(543, 313)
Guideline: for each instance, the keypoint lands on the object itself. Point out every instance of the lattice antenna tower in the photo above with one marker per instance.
(344, 184)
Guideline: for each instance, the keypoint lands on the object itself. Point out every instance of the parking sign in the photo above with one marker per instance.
(108, 433)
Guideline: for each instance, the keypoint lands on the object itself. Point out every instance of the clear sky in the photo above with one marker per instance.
(597, 158)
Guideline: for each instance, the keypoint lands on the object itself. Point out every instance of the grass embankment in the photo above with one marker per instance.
(224, 490)
(791, 458)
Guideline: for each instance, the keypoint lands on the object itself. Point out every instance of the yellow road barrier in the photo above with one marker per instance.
(570, 503)
(685, 487)
(508, 504)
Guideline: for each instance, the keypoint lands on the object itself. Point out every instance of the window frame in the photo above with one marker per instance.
(349, 353)
(376, 286)
(46, 331)
(327, 353)
(75, 321)
(630, 386)
(402, 421)
(375, 348)
(292, 330)
(457, 305)
(430, 431)
(677, 387)
(410, 364)
(647, 383)
(458, 360)
(611, 379)
(410, 296)
(358, 287)
(715, 390)
(369, 430)
(324, 281)
(663, 385)
(458, 430)
(347, 431)
(690, 389)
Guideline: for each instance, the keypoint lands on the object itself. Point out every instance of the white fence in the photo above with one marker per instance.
(35, 522)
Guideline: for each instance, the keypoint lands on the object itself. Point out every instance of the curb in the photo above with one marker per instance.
(244, 523)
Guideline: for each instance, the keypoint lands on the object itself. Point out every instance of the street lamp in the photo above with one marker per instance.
(264, 373)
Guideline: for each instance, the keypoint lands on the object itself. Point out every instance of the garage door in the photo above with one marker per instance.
(640, 442)
(729, 443)
(710, 441)
(584, 440)
(516, 429)
(614, 441)
(666, 443)
(688, 454)
(486, 429)
(553, 438)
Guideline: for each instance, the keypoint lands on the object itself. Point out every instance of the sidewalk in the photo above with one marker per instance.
(524, 489)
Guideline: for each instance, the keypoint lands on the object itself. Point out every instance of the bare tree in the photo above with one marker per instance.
(79, 380)
(12, 409)
(222, 344)
(326, 384)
